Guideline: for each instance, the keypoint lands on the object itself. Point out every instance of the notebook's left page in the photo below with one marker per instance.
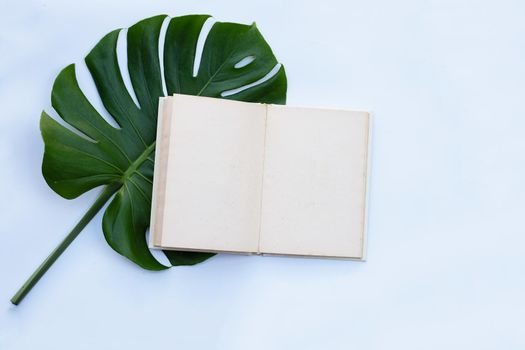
(208, 177)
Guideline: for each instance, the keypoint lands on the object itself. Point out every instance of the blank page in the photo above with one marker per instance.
(213, 176)
(314, 182)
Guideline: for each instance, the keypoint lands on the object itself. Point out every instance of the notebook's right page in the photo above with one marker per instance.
(314, 184)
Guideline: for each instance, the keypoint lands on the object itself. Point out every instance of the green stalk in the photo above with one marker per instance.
(106, 194)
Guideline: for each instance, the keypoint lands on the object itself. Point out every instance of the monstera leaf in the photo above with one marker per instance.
(236, 63)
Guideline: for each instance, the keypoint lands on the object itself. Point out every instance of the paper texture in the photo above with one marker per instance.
(314, 182)
(262, 179)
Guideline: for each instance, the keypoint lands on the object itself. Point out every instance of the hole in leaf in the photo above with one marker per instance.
(89, 89)
(162, 40)
(55, 116)
(157, 253)
(205, 30)
(122, 60)
(267, 77)
(244, 62)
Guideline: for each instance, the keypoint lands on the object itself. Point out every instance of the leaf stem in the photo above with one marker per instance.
(106, 194)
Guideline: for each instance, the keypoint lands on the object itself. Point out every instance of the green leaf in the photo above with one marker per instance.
(97, 154)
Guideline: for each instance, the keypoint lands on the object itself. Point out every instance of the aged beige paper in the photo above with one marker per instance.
(213, 175)
(314, 182)
(260, 179)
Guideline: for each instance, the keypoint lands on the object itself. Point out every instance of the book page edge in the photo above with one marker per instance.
(367, 189)
(159, 177)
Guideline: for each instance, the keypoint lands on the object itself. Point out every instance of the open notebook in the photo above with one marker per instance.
(263, 179)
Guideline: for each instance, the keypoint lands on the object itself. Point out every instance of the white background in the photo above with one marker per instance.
(446, 258)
